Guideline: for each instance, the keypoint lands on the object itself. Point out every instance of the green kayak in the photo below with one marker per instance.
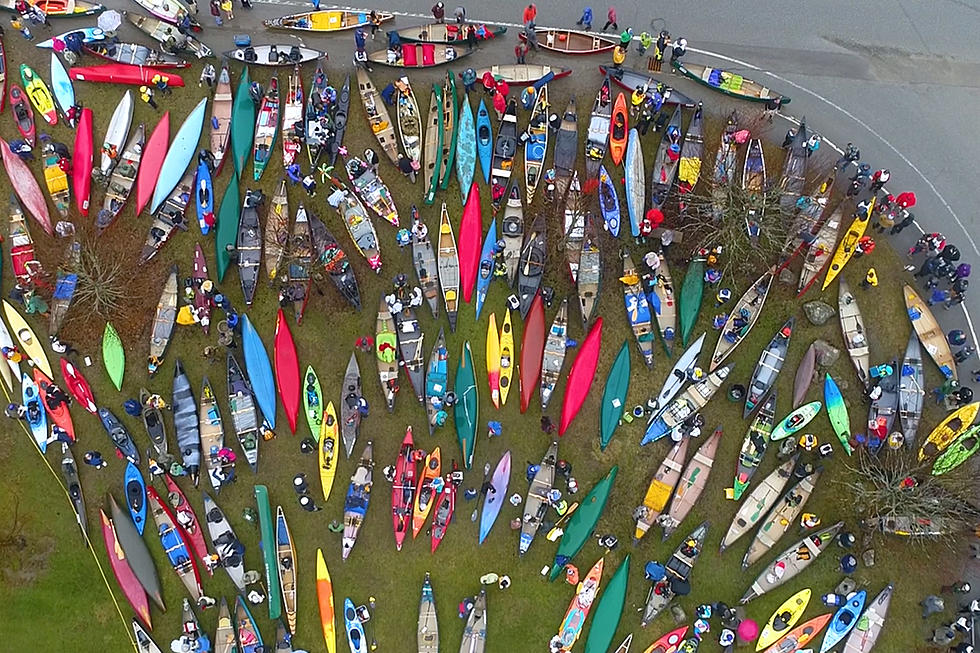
(113, 355)
(466, 412)
(313, 402)
(837, 412)
(226, 234)
(691, 294)
(580, 525)
(606, 615)
(447, 168)
(614, 396)
(962, 448)
(242, 124)
(269, 551)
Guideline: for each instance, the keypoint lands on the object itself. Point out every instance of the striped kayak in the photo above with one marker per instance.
(837, 412)
(609, 611)
(532, 351)
(753, 447)
(154, 153)
(182, 151)
(113, 355)
(242, 123)
(580, 376)
(638, 312)
(614, 396)
(287, 370)
(63, 91)
(82, 161)
(259, 371)
(692, 292)
(494, 500)
(226, 231)
(795, 421)
(555, 348)
(466, 149)
(484, 140)
(580, 526)
(466, 411)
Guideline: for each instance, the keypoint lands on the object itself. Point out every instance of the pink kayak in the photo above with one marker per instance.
(26, 187)
(81, 169)
(580, 377)
(470, 237)
(153, 154)
(287, 370)
(123, 73)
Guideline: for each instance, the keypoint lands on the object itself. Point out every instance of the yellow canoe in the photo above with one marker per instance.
(493, 360)
(848, 244)
(948, 430)
(791, 611)
(329, 437)
(30, 346)
(506, 357)
(930, 334)
(324, 596)
(327, 20)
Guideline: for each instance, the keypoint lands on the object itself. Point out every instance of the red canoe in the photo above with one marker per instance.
(403, 489)
(60, 415)
(26, 187)
(154, 152)
(25, 121)
(442, 512)
(581, 375)
(532, 351)
(78, 386)
(191, 578)
(287, 370)
(619, 129)
(81, 168)
(128, 582)
(192, 530)
(470, 242)
(123, 73)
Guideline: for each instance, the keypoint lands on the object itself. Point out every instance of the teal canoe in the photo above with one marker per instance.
(691, 294)
(266, 526)
(580, 525)
(606, 616)
(466, 412)
(182, 151)
(837, 412)
(614, 396)
(113, 355)
(447, 168)
(226, 232)
(242, 124)
(465, 149)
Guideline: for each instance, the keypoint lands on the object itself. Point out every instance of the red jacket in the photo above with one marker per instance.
(530, 13)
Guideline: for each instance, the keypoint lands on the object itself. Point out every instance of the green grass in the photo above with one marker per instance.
(55, 595)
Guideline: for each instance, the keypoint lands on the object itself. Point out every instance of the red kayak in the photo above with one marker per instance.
(123, 73)
(26, 187)
(78, 386)
(403, 489)
(60, 415)
(192, 527)
(287, 370)
(532, 351)
(154, 152)
(470, 242)
(128, 582)
(581, 375)
(442, 515)
(81, 168)
(23, 114)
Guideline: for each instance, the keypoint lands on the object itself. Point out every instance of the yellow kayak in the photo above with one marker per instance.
(39, 94)
(506, 357)
(787, 615)
(845, 250)
(948, 430)
(329, 437)
(493, 360)
(324, 596)
(30, 346)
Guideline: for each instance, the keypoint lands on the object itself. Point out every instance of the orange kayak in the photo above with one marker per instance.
(424, 494)
(324, 597)
(619, 129)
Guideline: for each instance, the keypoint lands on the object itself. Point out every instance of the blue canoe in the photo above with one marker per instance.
(484, 140)
(466, 149)
(485, 274)
(37, 421)
(635, 189)
(844, 620)
(180, 154)
(259, 371)
(204, 197)
(354, 628)
(609, 202)
(61, 88)
(135, 495)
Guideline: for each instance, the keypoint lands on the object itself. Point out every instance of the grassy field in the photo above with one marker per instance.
(56, 597)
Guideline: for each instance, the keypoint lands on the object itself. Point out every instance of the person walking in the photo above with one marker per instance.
(773, 105)
(439, 12)
(520, 51)
(375, 22)
(611, 20)
(529, 16)
(851, 155)
(870, 279)
(879, 179)
(216, 12)
(146, 94)
(228, 8)
(908, 219)
(460, 14)
(646, 40)
(585, 22)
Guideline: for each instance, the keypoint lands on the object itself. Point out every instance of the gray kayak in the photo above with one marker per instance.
(136, 551)
(225, 542)
(350, 414)
(186, 424)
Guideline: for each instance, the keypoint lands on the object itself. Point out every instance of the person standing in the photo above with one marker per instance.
(851, 155)
(439, 12)
(227, 7)
(216, 12)
(375, 22)
(879, 179)
(611, 20)
(460, 15)
(618, 57)
(585, 22)
(646, 40)
(908, 218)
(207, 76)
(530, 15)
(520, 51)
(773, 105)
(870, 279)
(678, 51)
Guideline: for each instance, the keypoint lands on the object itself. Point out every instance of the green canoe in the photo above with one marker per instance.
(605, 619)
(113, 355)
(447, 169)
(962, 448)
(313, 402)
(466, 412)
(580, 525)
(242, 124)
(226, 233)
(837, 412)
(614, 396)
(691, 294)
(269, 551)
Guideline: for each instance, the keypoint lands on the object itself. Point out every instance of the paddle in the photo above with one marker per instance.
(486, 473)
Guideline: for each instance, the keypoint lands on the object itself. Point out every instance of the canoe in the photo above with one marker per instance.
(663, 304)
(287, 370)
(804, 375)
(133, 550)
(350, 414)
(504, 151)
(357, 499)
(450, 129)
(791, 562)
(628, 79)
(359, 226)
(428, 625)
(122, 180)
(523, 74)
(574, 227)
(249, 635)
(202, 301)
(69, 472)
(555, 348)
(731, 84)
(787, 614)
(39, 94)
(443, 513)
(948, 430)
(411, 353)
(386, 353)
(266, 128)
(371, 189)
(589, 271)
(743, 316)
(724, 173)
(298, 273)
(219, 469)
(679, 375)
(493, 360)
(125, 576)
(677, 570)
(135, 54)
(10, 371)
(532, 351)
(154, 152)
(883, 410)
(689, 169)
(911, 390)
(259, 371)
(170, 11)
(580, 376)
(597, 136)
(574, 42)
(120, 437)
(242, 123)
(448, 32)
(691, 485)
(865, 632)
(494, 500)
(692, 292)
(186, 423)
(659, 490)
(192, 531)
(609, 611)
(286, 558)
(123, 73)
(818, 253)
(579, 527)
(292, 119)
(466, 410)
(665, 167)
(930, 333)
(377, 114)
(809, 210)
(424, 263)
(848, 245)
(175, 545)
(245, 418)
(62, 8)
(753, 447)
(327, 253)
(88, 35)
(267, 533)
(487, 265)
(844, 620)
(409, 121)
(767, 369)
(475, 631)
(281, 54)
(23, 115)
(512, 233)
(957, 453)
(437, 382)
(326, 20)
(26, 187)
(566, 149)
(29, 343)
(169, 218)
(23, 257)
(156, 428)
(204, 197)
(66, 283)
(164, 320)
(113, 355)
(420, 55)
(801, 635)
(754, 185)
(324, 596)
(795, 421)
(36, 415)
(855, 335)
(780, 519)
(225, 640)
(319, 115)
(340, 112)
(609, 203)
(837, 412)
(466, 148)
(425, 494)
(668, 642)
(794, 169)
(530, 267)
(484, 140)
(63, 91)
(759, 501)
(182, 151)
(470, 237)
(687, 404)
(536, 503)
(536, 146)
(578, 609)
(224, 542)
(447, 263)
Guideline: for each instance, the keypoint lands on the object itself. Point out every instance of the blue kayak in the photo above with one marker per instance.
(496, 497)
(635, 188)
(484, 140)
(259, 371)
(204, 197)
(89, 35)
(609, 202)
(180, 154)
(354, 628)
(485, 274)
(37, 421)
(844, 621)
(135, 495)
(466, 149)
(61, 88)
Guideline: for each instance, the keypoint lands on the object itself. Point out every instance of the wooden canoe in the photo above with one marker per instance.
(576, 42)
(746, 313)
(447, 263)
(409, 120)
(930, 333)
(693, 480)
(804, 375)
(855, 335)
(377, 115)
(420, 55)
(758, 503)
(781, 519)
(432, 148)
(448, 33)
(523, 74)
(731, 84)
(661, 486)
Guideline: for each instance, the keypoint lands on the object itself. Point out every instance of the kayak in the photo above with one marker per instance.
(791, 562)
(638, 312)
(132, 551)
(692, 292)
(955, 424)
(428, 625)
(125, 576)
(753, 447)
(386, 353)
(242, 123)
(192, 531)
(668, 642)
(635, 184)
(425, 494)
(848, 245)
(843, 621)
(958, 452)
(58, 415)
(580, 376)
(204, 194)
(493, 360)
(580, 526)
(226, 232)
(930, 333)
(494, 500)
(81, 169)
(484, 140)
(691, 485)
(555, 347)
(447, 264)
(287, 370)
(470, 235)
(506, 357)
(122, 73)
(487, 266)
(758, 503)
(259, 371)
(152, 416)
(324, 597)
(154, 153)
(357, 500)
(864, 634)
(26, 187)
(78, 386)
(313, 405)
(609, 611)
(266, 128)
(614, 396)
(795, 421)
(113, 355)
(350, 415)
(780, 519)
(579, 608)
(39, 94)
(63, 91)
(88, 35)
(800, 636)
(329, 437)
(182, 151)
(356, 638)
(532, 352)
(173, 539)
(36, 417)
(837, 412)
(466, 149)
(120, 437)
(673, 415)
(443, 514)
(784, 618)
(115, 136)
(122, 180)
(530, 269)
(23, 115)
(609, 202)
(536, 504)
(767, 369)
(466, 411)
(29, 343)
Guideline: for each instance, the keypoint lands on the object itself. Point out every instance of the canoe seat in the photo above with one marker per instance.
(409, 56)
(428, 54)
(445, 228)
(450, 295)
